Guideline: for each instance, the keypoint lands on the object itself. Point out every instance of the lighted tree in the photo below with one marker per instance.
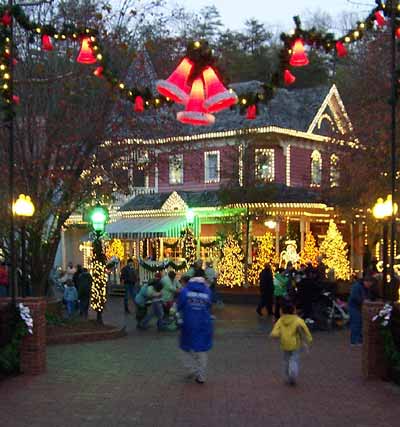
(98, 293)
(231, 267)
(265, 254)
(334, 251)
(115, 249)
(189, 246)
(310, 252)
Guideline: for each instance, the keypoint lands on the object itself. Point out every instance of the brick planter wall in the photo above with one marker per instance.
(33, 347)
(373, 358)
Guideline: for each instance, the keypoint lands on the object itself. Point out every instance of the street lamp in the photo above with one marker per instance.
(98, 217)
(23, 208)
(385, 210)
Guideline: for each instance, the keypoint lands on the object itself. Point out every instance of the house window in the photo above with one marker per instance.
(211, 166)
(316, 169)
(334, 171)
(265, 164)
(176, 169)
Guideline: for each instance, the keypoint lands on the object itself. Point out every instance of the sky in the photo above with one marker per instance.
(275, 12)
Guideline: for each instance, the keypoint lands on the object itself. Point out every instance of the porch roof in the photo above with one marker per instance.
(140, 228)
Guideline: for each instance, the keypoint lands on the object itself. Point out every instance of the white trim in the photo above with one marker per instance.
(208, 180)
(175, 90)
(212, 104)
(201, 118)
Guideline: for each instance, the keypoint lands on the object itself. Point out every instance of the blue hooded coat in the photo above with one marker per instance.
(194, 304)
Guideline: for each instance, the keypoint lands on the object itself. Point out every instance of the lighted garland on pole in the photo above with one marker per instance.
(98, 293)
(189, 246)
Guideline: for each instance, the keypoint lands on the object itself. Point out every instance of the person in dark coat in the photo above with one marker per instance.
(194, 306)
(359, 292)
(266, 291)
(129, 278)
(84, 284)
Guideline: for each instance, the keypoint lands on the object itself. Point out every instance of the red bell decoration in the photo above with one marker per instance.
(16, 99)
(46, 42)
(195, 113)
(251, 112)
(341, 49)
(218, 97)
(288, 78)
(86, 54)
(398, 33)
(6, 19)
(299, 57)
(98, 72)
(176, 86)
(139, 105)
(380, 19)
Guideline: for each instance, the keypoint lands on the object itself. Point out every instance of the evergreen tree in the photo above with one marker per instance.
(265, 254)
(310, 252)
(231, 267)
(189, 246)
(334, 251)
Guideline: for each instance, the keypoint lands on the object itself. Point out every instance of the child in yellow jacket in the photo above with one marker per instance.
(292, 332)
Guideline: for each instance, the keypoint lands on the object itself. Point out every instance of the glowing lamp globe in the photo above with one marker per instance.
(195, 113)
(218, 97)
(98, 218)
(176, 86)
(190, 216)
(46, 43)
(23, 206)
(86, 53)
(299, 56)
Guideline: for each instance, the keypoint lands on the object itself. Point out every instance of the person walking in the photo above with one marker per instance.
(3, 279)
(84, 284)
(129, 278)
(293, 333)
(196, 336)
(359, 292)
(266, 290)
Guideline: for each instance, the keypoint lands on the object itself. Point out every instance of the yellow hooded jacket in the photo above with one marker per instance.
(291, 330)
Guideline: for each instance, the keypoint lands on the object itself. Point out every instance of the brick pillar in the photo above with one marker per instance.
(33, 347)
(373, 358)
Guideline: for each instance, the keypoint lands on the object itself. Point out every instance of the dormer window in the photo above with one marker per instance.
(264, 164)
(211, 167)
(334, 171)
(176, 169)
(316, 169)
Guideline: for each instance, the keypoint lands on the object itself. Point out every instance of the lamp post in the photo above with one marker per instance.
(23, 208)
(385, 210)
(98, 217)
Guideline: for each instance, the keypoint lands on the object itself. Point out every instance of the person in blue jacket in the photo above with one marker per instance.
(194, 304)
(359, 292)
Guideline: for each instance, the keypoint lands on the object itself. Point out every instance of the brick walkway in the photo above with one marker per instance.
(138, 381)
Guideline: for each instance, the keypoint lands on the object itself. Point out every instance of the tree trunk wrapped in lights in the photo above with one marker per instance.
(98, 295)
(230, 267)
(189, 246)
(310, 252)
(265, 254)
(334, 251)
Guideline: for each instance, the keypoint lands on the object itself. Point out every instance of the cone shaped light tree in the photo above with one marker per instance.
(265, 254)
(310, 252)
(334, 251)
(231, 267)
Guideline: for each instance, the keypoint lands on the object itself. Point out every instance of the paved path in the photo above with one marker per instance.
(138, 381)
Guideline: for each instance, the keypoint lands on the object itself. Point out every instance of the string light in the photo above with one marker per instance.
(230, 267)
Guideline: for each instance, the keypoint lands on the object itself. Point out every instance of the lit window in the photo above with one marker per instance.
(334, 172)
(316, 169)
(176, 169)
(211, 166)
(265, 164)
